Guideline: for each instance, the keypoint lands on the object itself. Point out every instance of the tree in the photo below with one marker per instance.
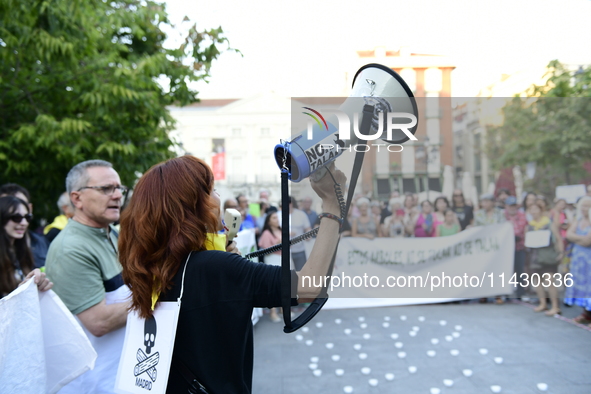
(551, 128)
(79, 80)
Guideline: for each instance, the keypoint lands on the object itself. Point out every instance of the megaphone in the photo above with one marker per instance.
(377, 89)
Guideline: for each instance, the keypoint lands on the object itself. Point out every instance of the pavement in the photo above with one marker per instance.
(433, 349)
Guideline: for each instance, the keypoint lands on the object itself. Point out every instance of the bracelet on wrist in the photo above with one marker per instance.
(331, 216)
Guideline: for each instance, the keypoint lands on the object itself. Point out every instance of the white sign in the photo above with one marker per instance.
(477, 262)
(570, 193)
(42, 346)
(537, 239)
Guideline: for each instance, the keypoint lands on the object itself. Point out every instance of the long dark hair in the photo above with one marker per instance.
(446, 203)
(18, 252)
(169, 215)
(266, 226)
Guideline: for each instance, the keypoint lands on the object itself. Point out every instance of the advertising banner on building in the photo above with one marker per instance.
(218, 158)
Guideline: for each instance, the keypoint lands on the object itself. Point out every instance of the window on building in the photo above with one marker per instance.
(408, 185)
(383, 187)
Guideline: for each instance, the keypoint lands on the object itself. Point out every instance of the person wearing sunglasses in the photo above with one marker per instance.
(16, 259)
(83, 264)
(167, 225)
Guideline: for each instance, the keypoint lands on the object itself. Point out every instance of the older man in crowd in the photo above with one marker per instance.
(83, 264)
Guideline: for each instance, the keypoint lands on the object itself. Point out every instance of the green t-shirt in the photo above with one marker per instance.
(445, 231)
(83, 265)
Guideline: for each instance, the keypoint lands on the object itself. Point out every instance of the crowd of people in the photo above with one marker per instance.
(568, 249)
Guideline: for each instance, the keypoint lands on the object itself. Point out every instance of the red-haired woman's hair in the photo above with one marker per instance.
(168, 216)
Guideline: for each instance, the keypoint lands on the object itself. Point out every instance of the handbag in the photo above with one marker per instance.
(147, 351)
(547, 255)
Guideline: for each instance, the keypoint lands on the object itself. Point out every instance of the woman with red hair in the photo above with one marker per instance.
(171, 218)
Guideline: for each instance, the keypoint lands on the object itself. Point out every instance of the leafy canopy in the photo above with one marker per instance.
(79, 81)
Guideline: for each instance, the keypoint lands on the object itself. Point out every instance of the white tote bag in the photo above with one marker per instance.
(147, 350)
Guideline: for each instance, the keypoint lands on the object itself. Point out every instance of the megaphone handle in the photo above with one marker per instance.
(318, 174)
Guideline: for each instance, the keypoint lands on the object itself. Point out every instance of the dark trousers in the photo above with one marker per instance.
(519, 268)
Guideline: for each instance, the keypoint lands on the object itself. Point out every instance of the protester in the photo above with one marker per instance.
(450, 225)
(271, 235)
(579, 233)
(393, 226)
(366, 225)
(307, 209)
(519, 222)
(36, 242)
(423, 224)
(248, 221)
(441, 205)
(16, 259)
(560, 218)
(502, 195)
(489, 214)
(376, 211)
(298, 225)
(464, 212)
(214, 338)
(410, 214)
(528, 201)
(82, 263)
(544, 261)
(58, 224)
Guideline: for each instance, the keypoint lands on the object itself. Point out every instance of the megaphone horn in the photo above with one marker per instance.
(394, 120)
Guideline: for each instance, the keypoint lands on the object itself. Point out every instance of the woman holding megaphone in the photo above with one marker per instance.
(170, 222)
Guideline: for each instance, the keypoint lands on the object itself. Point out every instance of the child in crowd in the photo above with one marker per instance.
(450, 226)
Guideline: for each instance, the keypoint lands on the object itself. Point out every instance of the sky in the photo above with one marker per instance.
(304, 48)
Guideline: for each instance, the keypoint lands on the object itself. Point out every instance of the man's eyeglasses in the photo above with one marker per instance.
(17, 218)
(107, 190)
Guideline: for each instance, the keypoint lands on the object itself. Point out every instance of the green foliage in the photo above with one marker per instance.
(78, 81)
(551, 128)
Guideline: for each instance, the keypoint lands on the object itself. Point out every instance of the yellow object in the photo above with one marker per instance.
(539, 224)
(212, 242)
(59, 222)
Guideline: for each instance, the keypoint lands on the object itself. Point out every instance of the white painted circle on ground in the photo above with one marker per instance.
(366, 370)
(412, 369)
(431, 353)
(387, 318)
(299, 337)
(394, 336)
(455, 334)
(335, 357)
(448, 382)
(329, 345)
(434, 390)
(317, 372)
(442, 322)
(385, 324)
(314, 359)
(366, 336)
(401, 354)
(363, 325)
(454, 352)
(309, 342)
(339, 372)
(449, 338)
(434, 341)
(416, 328)
(357, 346)
(403, 317)
(542, 386)
(373, 382)
(361, 318)
(338, 321)
(305, 329)
(458, 328)
(483, 351)
(412, 333)
(389, 376)
(347, 331)
(348, 389)
(319, 324)
(399, 345)
(498, 360)
(495, 388)
(362, 356)
(313, 366)
(467, 372)
(421, 318)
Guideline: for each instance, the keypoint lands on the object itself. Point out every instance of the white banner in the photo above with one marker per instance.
(42, 346)
(477, 262)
